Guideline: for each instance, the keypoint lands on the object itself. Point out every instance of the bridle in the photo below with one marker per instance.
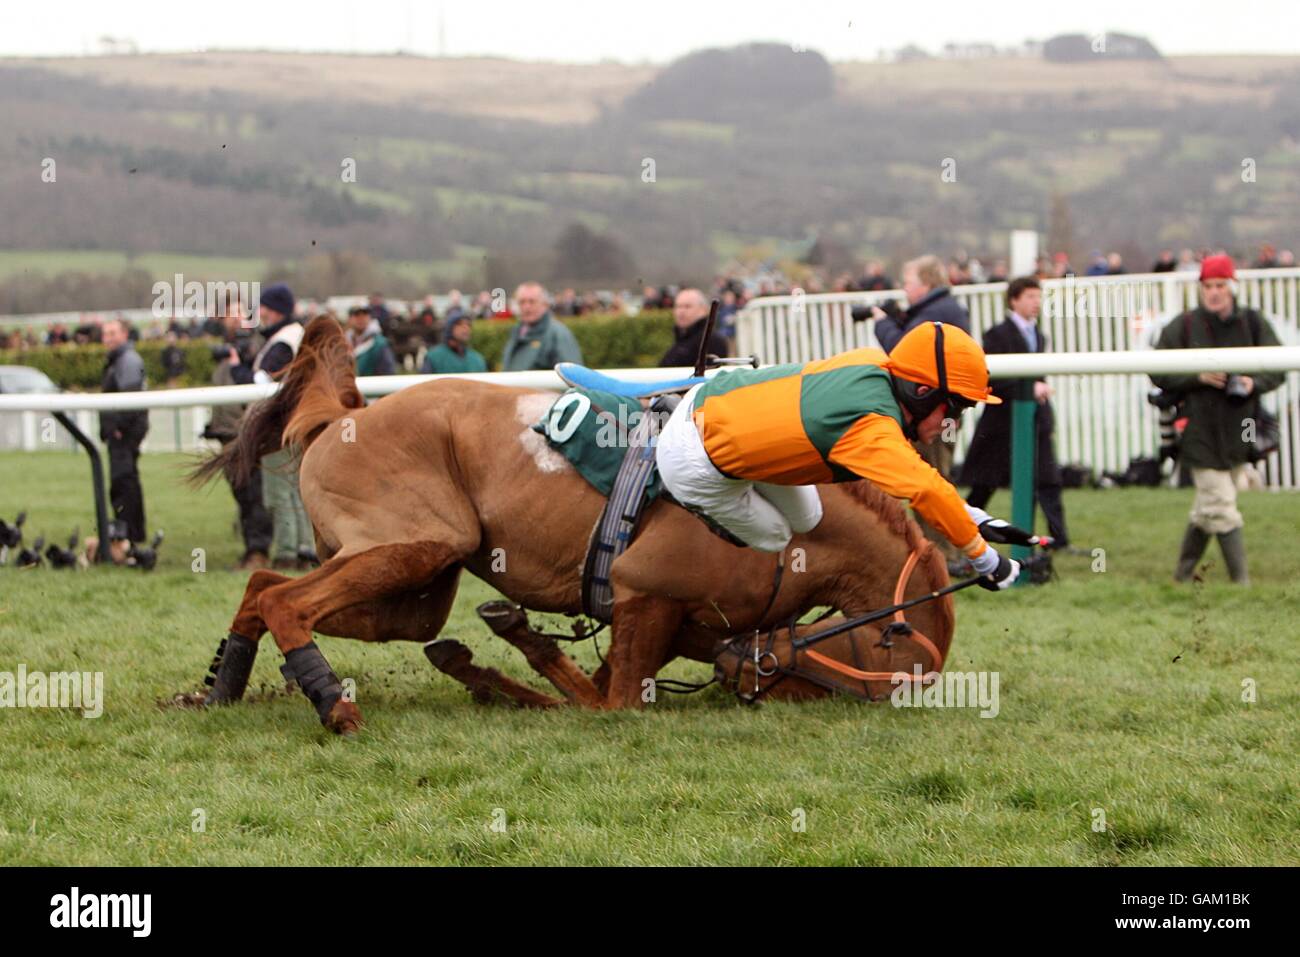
(767, 663)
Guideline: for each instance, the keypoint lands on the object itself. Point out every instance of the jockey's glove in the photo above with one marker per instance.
(1000, 531)
(996, 571)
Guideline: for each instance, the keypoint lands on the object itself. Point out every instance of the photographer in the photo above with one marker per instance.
(1222, 410)
(241, 344)
(929, 299)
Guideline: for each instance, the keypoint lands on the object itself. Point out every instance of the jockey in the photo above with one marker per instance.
(747, 447)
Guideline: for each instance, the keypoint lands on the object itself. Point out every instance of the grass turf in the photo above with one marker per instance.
(1118, 691)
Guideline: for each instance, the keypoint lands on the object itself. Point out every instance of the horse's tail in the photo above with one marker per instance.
(318, 387)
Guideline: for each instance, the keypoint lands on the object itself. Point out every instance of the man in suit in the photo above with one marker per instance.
(988, 462)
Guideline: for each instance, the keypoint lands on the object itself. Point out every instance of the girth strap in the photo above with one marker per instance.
(621, 516)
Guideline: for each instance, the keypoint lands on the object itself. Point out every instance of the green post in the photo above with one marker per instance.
(1024, 439)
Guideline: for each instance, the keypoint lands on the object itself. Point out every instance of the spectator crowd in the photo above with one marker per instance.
(430, 335)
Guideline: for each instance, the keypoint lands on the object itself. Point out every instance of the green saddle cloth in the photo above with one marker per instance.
(592, 429)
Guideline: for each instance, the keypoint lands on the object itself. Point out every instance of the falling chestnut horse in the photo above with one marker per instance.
(449, 475)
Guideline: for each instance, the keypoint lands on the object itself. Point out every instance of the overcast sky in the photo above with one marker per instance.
(631, 30)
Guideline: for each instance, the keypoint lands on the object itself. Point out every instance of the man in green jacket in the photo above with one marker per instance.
(540, 340)
(1222, 411)
(370, 348)
(454, 354)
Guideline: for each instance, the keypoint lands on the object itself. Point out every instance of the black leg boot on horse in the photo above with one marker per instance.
(227, 677)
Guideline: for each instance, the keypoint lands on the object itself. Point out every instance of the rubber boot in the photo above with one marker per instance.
(1194, 541)
(1233, 544)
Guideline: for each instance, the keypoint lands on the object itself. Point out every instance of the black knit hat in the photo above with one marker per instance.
(279, 297)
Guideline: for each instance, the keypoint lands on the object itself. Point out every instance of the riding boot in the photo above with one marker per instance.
(1233, 544)
(1194, 541)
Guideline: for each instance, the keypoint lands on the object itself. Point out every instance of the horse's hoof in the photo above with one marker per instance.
(344, 718)
(445, 651)
(502, 616)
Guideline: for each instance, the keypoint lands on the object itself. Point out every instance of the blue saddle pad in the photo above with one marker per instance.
(581, 377)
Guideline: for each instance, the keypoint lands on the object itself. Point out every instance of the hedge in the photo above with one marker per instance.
(608, 342)
(81, 368)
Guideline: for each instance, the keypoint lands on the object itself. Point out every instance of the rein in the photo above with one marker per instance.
(767, 663)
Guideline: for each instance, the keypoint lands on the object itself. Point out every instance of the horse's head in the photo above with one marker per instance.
(791, 664)
(869, 545)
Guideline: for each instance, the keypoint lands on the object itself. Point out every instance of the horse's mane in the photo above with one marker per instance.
(895, 518)
(888, 509)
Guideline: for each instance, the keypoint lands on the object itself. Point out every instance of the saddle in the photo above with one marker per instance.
(636, 480)
(580, 377)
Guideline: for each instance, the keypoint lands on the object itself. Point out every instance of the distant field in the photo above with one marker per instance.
(1119, 691)
(1017, 80)
(163, 266)
(538, 91)
(574, 93)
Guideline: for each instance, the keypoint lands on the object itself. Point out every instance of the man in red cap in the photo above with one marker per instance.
(1222, 410)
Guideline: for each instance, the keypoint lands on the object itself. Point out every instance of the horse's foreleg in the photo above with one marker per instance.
(508, 620)
(291, 609)
(643, 632)
(485, 684)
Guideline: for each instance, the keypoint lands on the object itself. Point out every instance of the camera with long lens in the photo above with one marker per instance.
(221, 351)
(1168, 404)
(1163, 399)
(889, 307)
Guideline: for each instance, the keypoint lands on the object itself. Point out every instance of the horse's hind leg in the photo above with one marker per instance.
(233, 663)
(291, 609)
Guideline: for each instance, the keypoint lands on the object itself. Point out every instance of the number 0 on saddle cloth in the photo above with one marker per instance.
(594, 430)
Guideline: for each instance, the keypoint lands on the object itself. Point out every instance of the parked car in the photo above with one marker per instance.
(25, 380)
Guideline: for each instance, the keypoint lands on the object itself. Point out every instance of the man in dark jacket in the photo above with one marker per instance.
(929, 299)
(690, 316)
(988, 461)
(124, 431)
(1222, 411)
(173, 359)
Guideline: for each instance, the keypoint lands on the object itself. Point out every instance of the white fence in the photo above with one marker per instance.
(186, 410)
(1102, 420)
